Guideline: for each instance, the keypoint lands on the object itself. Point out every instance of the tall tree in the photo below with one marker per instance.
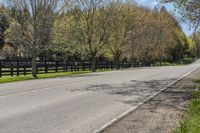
(118, 39)
(190, 9)
(4, 23)
(32, 24)
(93, 26)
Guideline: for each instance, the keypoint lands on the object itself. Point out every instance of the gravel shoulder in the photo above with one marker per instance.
(162, 113)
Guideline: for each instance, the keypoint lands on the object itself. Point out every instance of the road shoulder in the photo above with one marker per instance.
(162, 113)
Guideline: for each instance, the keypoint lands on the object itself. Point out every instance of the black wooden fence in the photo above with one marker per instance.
(23, 67)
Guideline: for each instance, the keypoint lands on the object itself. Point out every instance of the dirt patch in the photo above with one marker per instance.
(162, 113)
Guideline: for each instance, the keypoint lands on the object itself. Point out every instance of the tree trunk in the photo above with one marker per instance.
(93, 61)
(34, 64)
(133, 62)
(160, 62)
(117, 62)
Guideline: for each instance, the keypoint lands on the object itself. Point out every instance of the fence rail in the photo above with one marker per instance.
(23, 67)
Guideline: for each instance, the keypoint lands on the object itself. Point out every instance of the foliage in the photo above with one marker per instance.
(32, 25)
(191, 123)
(4, 23)
(190, 10)
(188, 60)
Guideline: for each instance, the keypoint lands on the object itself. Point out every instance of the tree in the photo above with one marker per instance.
(118, 39)
(4, 23)
(93, 27)
(32, 25)
(165, 26)
(196, 39)
(63, 35)
(190, 9)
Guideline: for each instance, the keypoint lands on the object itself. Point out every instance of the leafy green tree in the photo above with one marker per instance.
(118, 40)
(32, 25)
(93, 27)
(4, 23)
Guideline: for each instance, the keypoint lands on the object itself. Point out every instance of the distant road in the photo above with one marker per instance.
(82, 103)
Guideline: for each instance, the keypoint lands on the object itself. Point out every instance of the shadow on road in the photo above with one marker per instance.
(161, 113)
(136, 91)
(81, 75)
(174, 97)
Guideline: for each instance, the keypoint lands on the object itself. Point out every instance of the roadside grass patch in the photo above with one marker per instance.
(184, 61)
(188, 60)
(167, 64)
(9, 79)
(191, 120)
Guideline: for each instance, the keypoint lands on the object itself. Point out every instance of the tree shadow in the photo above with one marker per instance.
(133, 87)
(81, 75)
(139, 91)
(175, 97)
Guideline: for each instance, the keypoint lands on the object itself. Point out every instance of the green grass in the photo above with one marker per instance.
(188, 60)
(184, 61)
(191, 121)
(167, 64)
(8, 79)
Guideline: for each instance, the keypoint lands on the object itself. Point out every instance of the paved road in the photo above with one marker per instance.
(79, 104)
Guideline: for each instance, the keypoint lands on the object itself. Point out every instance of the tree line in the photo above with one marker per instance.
(94, 29)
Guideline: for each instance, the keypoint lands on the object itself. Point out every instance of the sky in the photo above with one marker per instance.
(169, 7)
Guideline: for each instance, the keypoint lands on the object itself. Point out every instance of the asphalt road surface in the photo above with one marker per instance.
(81, 103)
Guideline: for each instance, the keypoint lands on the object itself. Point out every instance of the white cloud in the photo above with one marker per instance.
(155, 3)
(143, 0)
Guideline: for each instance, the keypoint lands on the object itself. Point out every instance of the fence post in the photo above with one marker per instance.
(101, 65)
(36, 68)
(90, 65)
(83, 65)
(75, 66)
(56, 66)
(24, 70)
(0, 69)
(63, 64)
(78, 66)
(17, 67)
(96, 63)
(66, 66)
(71, 66)
(45, 66)
(11, 71)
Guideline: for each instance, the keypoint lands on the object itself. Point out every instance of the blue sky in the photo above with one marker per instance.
(170, 7)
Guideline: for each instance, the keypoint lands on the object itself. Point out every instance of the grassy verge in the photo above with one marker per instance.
(9, 79)
(167, 64)
(191, 121)
(187, 61)
(184, 61)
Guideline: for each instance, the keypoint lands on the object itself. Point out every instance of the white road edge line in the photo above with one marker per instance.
(116, 119)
